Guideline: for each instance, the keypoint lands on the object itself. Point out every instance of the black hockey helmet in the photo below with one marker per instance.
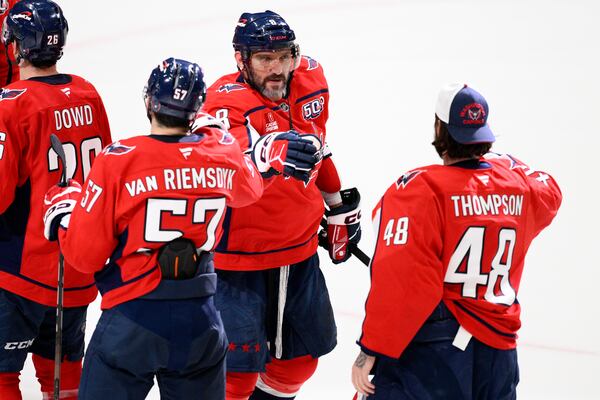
(39, 28)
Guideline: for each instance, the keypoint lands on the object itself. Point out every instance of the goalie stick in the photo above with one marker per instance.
(354, 250)
(58, 149)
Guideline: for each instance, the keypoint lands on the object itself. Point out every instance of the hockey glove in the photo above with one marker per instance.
(59, 202)
(287, 153)
(343, 226)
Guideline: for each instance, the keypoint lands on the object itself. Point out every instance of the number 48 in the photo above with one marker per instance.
(470, 248)
(397, 234)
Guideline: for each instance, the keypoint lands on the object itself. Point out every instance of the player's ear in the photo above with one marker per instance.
(436, 127)
(239, 60)
(15, 50)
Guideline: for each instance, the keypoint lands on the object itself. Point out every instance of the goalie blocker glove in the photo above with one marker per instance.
(59, 202)
(287, 153)
(343, 226)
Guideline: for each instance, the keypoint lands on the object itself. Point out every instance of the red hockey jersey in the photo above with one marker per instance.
(459, 234)
(30, 111)
(280, 228)
(146, 191)
(9, 72)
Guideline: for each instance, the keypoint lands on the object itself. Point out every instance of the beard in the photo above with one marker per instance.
(273, 87)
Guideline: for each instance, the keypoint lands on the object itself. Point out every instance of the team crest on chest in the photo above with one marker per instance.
(11, 94)
(405, 179)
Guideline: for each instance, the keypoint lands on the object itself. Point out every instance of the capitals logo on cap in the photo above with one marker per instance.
(465, 112)
(473, 114)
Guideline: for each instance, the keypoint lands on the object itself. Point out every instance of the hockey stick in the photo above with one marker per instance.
(354, 250)
(57, 147)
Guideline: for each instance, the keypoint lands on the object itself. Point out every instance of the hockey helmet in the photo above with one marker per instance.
(176, 88)
(39, 28)
(263, 31)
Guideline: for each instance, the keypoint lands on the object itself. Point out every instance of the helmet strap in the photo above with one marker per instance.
(9, 63)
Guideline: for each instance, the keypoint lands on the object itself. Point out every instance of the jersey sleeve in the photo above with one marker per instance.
(546, 198)
(248, 183)
(406, 269)
(10, 151)
(231, 113)
(328, 179)
(91, 236)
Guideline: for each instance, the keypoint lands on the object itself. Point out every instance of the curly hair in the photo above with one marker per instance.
(445, 144)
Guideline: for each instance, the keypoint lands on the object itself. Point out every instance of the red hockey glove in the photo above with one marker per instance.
(287, 153)
(343, 226)
(59, 202)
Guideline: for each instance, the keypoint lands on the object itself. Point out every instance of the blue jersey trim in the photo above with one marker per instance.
(491, 328)
(253, 110)
(371, 270)
(58, 79)
(183, 138)
(222, 245)
(311, 95)
(13, 225)
(264, 252)
(472, 164)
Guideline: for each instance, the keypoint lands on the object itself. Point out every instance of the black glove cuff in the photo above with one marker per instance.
(350, 201)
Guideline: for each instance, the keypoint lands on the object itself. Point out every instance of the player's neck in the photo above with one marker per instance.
(29, 71)
(449, 160)
(158, 129)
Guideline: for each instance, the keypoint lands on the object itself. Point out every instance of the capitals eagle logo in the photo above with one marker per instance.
(11, 94)
(117, 149)
(405, 179)
(230, 87)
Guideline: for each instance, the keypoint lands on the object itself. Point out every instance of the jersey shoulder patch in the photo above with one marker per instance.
(230, 87)
(311, 63)
(117, 149)
(408, 177)
(11, 94)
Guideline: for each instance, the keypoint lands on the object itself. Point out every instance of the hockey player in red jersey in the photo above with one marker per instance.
(43, 102)
(154, 206)
(9, 71)
(442, 314)
(272, 293)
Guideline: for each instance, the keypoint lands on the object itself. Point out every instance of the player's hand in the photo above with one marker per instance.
(59, 202)
(360, 374)
(343, 226)
(287, 153)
